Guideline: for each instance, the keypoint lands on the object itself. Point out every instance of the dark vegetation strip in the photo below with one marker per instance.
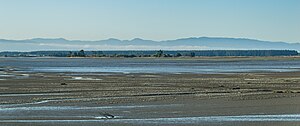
(159, 53)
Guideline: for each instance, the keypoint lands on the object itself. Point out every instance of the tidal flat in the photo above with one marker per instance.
(54, 98)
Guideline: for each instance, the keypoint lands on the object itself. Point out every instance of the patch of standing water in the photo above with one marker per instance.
(90, 65)
(49, 108)
(84, 78)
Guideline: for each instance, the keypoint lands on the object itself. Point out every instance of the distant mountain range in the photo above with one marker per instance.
(201, 43)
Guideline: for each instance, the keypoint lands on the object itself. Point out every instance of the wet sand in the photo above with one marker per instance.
(29, 98)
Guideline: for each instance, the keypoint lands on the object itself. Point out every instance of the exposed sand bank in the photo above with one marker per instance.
(150, 99)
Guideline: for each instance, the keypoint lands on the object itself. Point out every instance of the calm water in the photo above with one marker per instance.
(131, 65)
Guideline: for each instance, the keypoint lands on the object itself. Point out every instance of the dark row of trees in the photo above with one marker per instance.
(246, 53)
(159, 53)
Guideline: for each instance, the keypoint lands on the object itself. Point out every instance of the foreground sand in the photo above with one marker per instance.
(149, 99)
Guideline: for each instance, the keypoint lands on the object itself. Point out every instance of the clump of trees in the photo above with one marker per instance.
(80, 53)
(159, 53)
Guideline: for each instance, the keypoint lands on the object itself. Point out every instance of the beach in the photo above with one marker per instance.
(111, 98)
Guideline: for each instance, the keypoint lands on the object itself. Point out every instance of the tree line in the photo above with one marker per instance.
(154, 53)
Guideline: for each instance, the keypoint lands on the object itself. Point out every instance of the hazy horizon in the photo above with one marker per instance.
(275, 20)
(194, 43)
(130, 39)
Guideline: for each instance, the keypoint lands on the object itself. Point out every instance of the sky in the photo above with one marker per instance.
(273, 20)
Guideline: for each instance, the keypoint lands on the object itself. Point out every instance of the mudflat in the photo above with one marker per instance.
(41, 98)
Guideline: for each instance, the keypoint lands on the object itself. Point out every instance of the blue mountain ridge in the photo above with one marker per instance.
(201, 43)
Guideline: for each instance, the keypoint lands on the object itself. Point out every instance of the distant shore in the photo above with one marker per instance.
(153, 53)
(186, 58)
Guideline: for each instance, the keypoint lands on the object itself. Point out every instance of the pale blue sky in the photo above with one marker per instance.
(275, 20)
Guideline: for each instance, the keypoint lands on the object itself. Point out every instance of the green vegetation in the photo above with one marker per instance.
(159, 53)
